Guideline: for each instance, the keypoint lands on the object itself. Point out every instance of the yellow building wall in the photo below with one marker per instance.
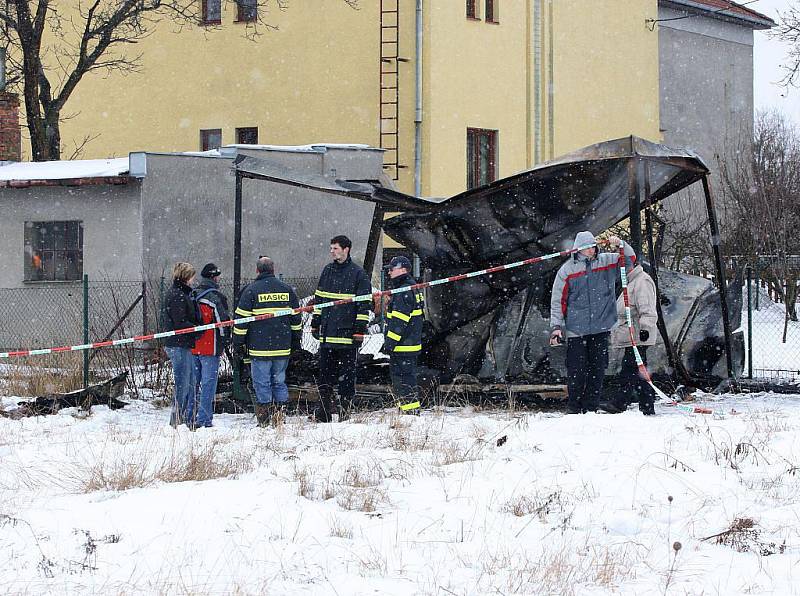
(315, 79)
(475, 76)
(604, 71)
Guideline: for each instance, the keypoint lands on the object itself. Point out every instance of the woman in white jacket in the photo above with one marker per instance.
(642, 298)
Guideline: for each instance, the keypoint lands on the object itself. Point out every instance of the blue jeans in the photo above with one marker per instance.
(269, 380)
(183, 372)
(206, 371)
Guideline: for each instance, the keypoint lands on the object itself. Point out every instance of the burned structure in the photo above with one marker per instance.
(496, 326)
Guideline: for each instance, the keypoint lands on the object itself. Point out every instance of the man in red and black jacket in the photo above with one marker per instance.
(339, 329)
(213, 308)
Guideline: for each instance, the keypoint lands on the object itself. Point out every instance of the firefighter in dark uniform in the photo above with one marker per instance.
(403, 340)
(268, 342)
(339, 329)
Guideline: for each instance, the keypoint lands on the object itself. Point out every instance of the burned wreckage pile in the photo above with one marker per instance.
(496, 327)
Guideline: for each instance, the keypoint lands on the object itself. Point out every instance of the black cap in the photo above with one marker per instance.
(400, 261)
(210, 270)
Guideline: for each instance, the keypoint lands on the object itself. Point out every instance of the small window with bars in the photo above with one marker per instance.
(53, 250)
(212, 12)
(246, 11)
(247, 135)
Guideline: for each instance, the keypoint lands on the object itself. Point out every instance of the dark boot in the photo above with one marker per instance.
(263, 414)
(647, 408)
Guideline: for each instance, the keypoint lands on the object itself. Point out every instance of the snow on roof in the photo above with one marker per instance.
(312, 148)
(64, 170)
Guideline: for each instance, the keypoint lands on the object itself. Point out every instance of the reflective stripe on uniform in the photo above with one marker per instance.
(297, 327)
(238, 331)
(416, 313)
(416, 348)
(243, 312)
(253, 352)
(362, 317)
(338, 340)
(394, 336)
(399, 315)
(263, 311)
(332, 295)
(412, 406)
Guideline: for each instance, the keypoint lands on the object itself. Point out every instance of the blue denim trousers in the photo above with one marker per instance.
(183, 372)
(206, 371)
(269, 379)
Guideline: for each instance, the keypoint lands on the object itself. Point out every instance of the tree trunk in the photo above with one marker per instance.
(53, 133)
(45, 136)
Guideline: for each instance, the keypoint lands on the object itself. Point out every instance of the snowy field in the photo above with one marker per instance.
(457, 502)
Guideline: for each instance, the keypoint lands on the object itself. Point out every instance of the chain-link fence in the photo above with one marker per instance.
(45, 316)
(53, 315)
(772, 333)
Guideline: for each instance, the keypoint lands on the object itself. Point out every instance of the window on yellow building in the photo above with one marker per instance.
(212, 12)
(491, 11)
(481, 157)
(246, 11)
(247, 136)
(210, 139)
(472, 9)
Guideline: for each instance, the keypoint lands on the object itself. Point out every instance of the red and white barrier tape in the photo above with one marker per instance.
(291, 311)
(643, 372)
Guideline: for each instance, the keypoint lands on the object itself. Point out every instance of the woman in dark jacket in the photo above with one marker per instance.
(179, 313)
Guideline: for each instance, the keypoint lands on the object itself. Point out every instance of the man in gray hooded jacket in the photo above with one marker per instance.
(583, 308)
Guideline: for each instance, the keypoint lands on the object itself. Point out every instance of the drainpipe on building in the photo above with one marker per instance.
(418, 116)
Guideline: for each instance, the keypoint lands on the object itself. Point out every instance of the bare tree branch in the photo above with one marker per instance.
(762, 185)
(92, 37)
(788, 31)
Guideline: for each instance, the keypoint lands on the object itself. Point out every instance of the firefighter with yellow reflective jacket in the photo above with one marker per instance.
(339, 329)
(403, 341)
(268, 342)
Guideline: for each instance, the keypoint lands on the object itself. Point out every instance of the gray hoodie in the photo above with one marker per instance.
(583, 301)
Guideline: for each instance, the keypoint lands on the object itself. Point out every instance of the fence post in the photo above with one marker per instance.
(749, 322)
(85, 329)
(758, 285)
(144, 307)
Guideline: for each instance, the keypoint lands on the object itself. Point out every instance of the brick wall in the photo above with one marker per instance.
(10, 148)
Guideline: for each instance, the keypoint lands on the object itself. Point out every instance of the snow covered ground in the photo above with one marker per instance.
(456, 502)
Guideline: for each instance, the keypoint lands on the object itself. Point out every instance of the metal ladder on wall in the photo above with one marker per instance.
(390, 87)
